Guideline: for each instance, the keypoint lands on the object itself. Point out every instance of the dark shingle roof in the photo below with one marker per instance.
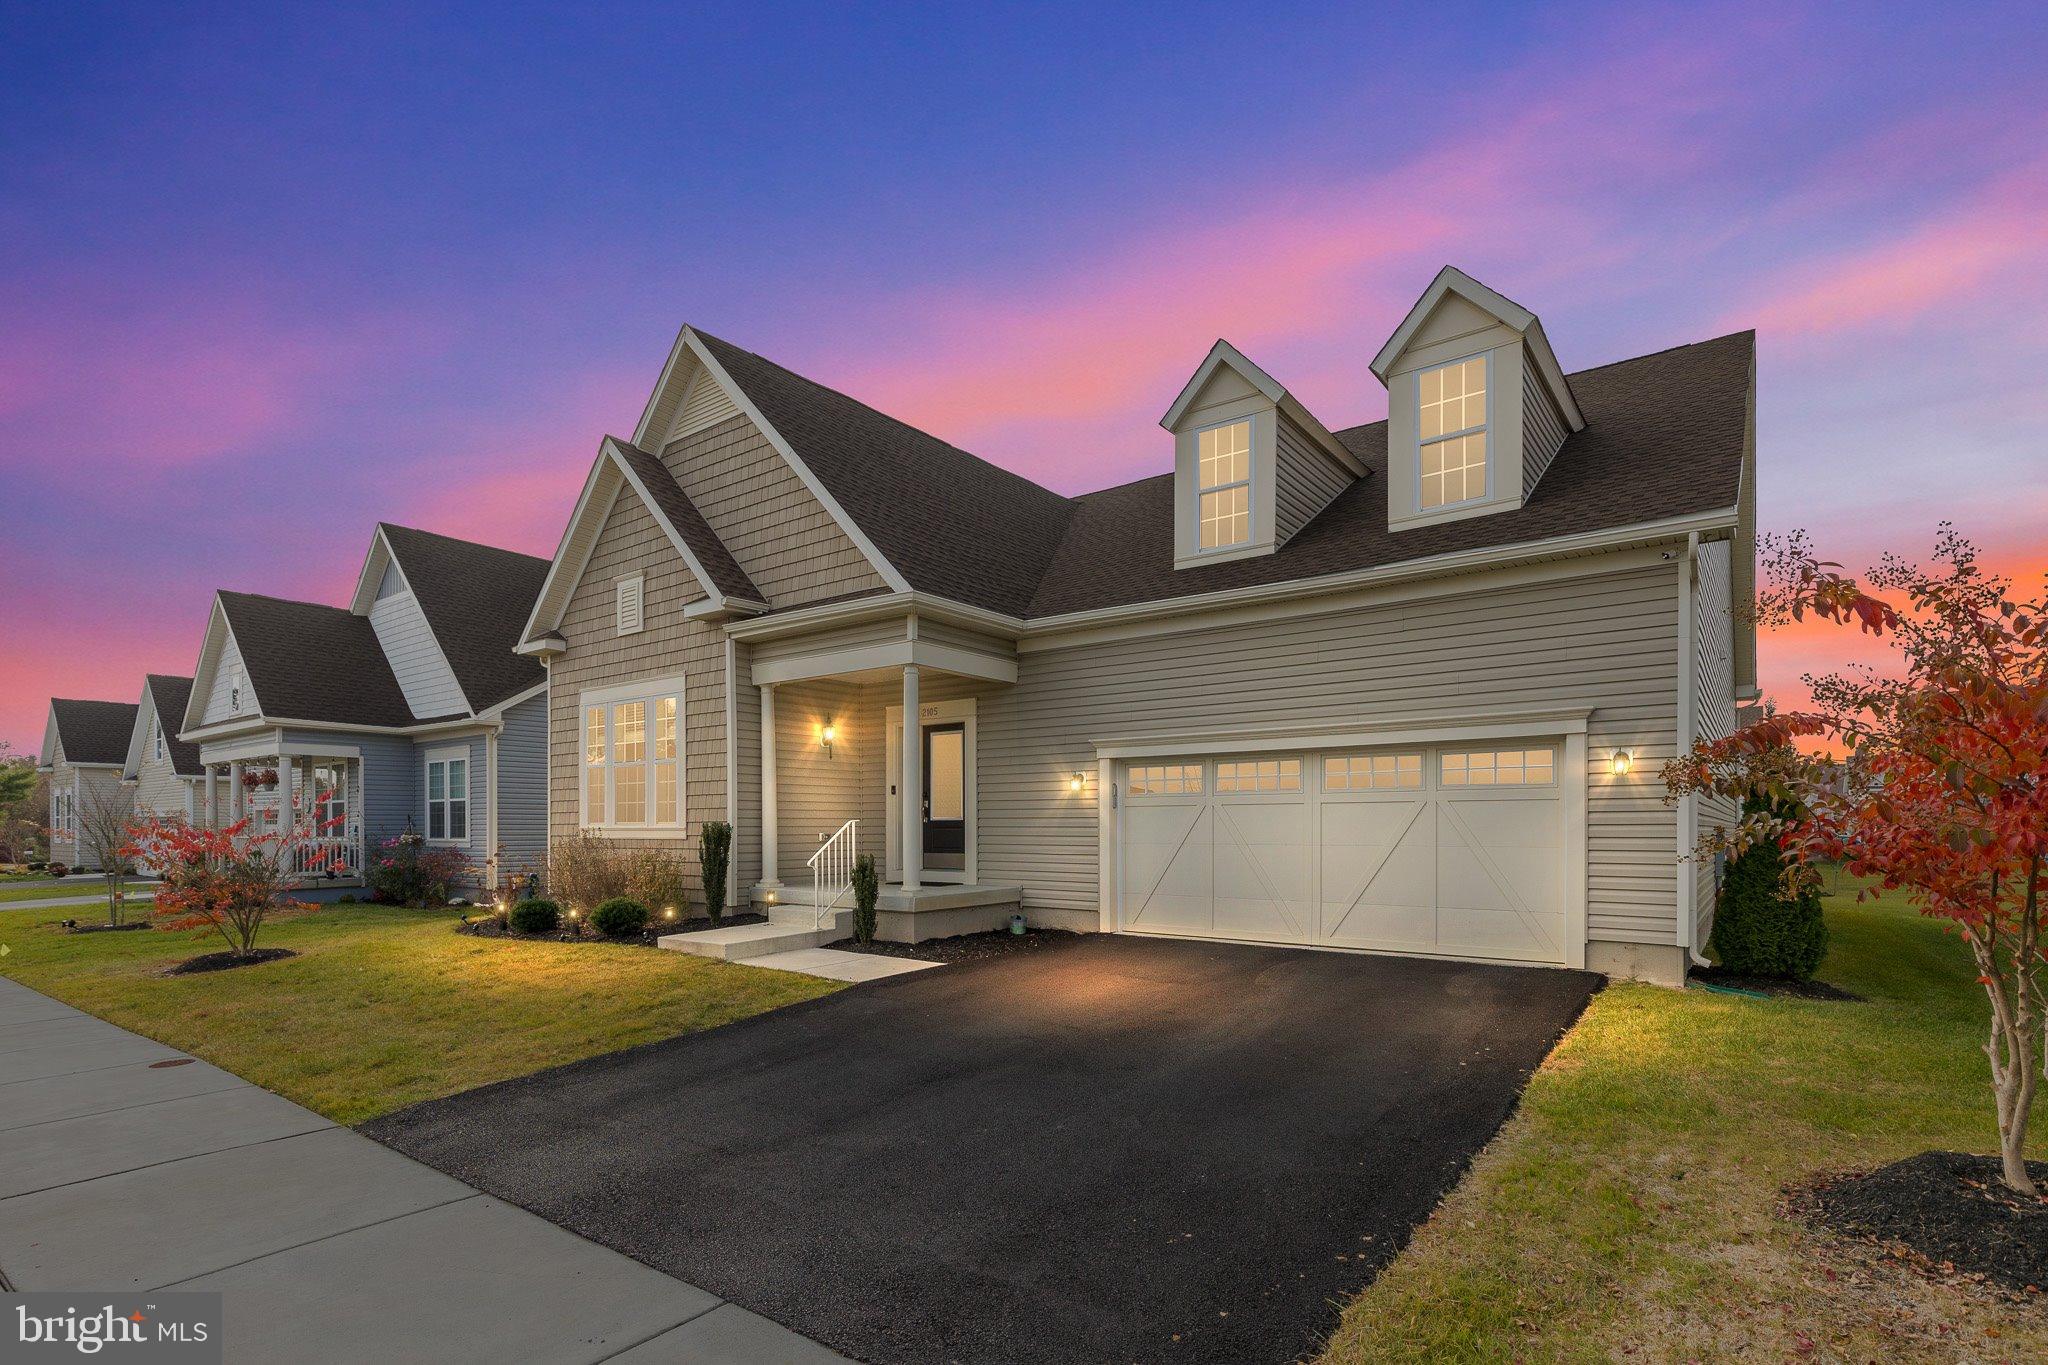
(476, 599)
(672, 503)
(1664, 437)
(309, 662)
(951, 523)
(94, 731)
(169, 695)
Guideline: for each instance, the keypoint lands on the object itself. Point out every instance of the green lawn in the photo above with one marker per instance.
(386, 1007)
(46, 893)
(1628, 1208)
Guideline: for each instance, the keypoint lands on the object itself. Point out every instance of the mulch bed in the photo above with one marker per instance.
(966, 947)
(72, 926)
(1946, 1214)
(581, 932)
(220, 962)
(1771, 985)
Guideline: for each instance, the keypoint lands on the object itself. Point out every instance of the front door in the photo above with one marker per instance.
(945, 797)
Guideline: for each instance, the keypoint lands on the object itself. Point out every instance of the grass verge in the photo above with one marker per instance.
(386, 1007)
(1628, 1209)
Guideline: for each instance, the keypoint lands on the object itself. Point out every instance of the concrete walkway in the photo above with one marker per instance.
(127, 1165)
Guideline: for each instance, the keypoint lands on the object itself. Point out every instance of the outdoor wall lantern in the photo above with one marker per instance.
(826, 734)
(1622, 761)
(1077, 782)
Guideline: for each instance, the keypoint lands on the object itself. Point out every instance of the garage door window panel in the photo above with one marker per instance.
(1498, 768)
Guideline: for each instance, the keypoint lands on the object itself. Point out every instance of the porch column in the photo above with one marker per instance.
(209, 814)
(912, 821)
(769, 832)
(235, 792)
(287, 781)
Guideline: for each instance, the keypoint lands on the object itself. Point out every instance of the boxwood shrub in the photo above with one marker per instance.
(619, 917)
(535, 916)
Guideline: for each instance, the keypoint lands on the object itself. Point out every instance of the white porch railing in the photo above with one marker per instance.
(832, 871)
(328, 856)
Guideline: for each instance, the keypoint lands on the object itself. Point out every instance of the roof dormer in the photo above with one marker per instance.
(1476, 404)
(1251, 465)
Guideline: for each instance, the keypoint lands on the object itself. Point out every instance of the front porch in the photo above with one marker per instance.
(277, 789)
(842, 776)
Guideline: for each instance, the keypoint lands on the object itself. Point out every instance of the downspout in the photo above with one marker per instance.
(491, 815)
(1688, 727)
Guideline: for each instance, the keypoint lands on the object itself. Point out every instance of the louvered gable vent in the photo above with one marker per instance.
(631, 604)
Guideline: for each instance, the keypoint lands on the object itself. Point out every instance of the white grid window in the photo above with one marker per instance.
(1370, 772)
(1499, 768)
(64, 815)
(1453, 433)
(1167, 779)
(632, 760)
(1261, 775)
(448, 799)
(1224, 457)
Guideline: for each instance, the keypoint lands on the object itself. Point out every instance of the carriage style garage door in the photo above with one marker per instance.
(1454, 850)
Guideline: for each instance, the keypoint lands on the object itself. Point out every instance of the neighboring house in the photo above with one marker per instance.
(85, 744)
(406, 710)
(162, 769)
(1403, 686)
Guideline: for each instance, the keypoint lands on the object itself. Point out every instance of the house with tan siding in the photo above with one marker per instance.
(404, 711)
(1401, 686)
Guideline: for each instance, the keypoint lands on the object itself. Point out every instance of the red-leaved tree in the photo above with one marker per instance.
(1939, 790)
(228, 879)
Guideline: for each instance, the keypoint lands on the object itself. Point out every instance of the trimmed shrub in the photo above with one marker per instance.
(867, 889)
(1758, 929)
(619, 917)
(59, 870)
(535, 916)
(714, 861)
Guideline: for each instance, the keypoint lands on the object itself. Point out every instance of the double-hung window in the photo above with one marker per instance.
(448, 795)
(1223, 457)
(156, 726)
(1453, 431)
(632, 757)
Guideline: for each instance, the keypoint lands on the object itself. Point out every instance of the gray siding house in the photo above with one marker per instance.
(405, 710)
(1401, 687)
(85, 744)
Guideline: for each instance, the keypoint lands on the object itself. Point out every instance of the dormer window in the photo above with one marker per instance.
(1224, 459)
(1452, 416)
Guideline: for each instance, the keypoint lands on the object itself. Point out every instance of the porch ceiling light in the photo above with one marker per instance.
(1622, 761)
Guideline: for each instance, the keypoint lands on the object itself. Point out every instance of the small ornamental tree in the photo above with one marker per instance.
(103, 820)
(228, 880)
(1943, 790)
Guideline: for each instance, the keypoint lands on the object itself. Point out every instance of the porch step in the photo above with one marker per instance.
(788, 929)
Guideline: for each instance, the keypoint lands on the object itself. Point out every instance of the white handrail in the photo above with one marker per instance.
(832, 870)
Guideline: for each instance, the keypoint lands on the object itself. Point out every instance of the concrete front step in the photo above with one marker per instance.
(788, 929)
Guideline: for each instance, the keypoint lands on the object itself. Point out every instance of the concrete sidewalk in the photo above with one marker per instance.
(127, 1165)
(98, 902)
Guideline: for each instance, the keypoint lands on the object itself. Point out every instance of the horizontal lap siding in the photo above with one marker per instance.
(1601, 642)
(1305, 479)
(217, 699)
(1542, 430)
(786, 540)
(597, 656)
(415, 657)
(523, 788)
(817, 793)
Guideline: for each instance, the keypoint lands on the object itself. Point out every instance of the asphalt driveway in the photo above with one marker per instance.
(1124, 1150)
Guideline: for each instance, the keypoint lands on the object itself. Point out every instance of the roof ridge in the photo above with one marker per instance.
(286, 601)
(457, 540)
(887, 417)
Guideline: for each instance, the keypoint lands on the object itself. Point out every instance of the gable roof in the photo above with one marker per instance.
(1224, 355)
(708, 555)
(476, 599)
(1664, 438)
(93, 732)
(1451, 280)
(170, 695)
(305, 661)
(948, 522)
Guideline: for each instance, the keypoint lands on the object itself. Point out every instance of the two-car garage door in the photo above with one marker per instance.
(1430, 849)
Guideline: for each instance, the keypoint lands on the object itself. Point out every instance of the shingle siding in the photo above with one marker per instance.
(598, 656)
(785, 539)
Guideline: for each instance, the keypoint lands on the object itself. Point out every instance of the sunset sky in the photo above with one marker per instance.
(265, 280)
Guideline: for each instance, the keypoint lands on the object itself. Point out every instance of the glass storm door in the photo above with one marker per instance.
(945, 797)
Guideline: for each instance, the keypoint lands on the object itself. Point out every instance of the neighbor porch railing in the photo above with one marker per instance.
(832, 871)
(328, 857)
